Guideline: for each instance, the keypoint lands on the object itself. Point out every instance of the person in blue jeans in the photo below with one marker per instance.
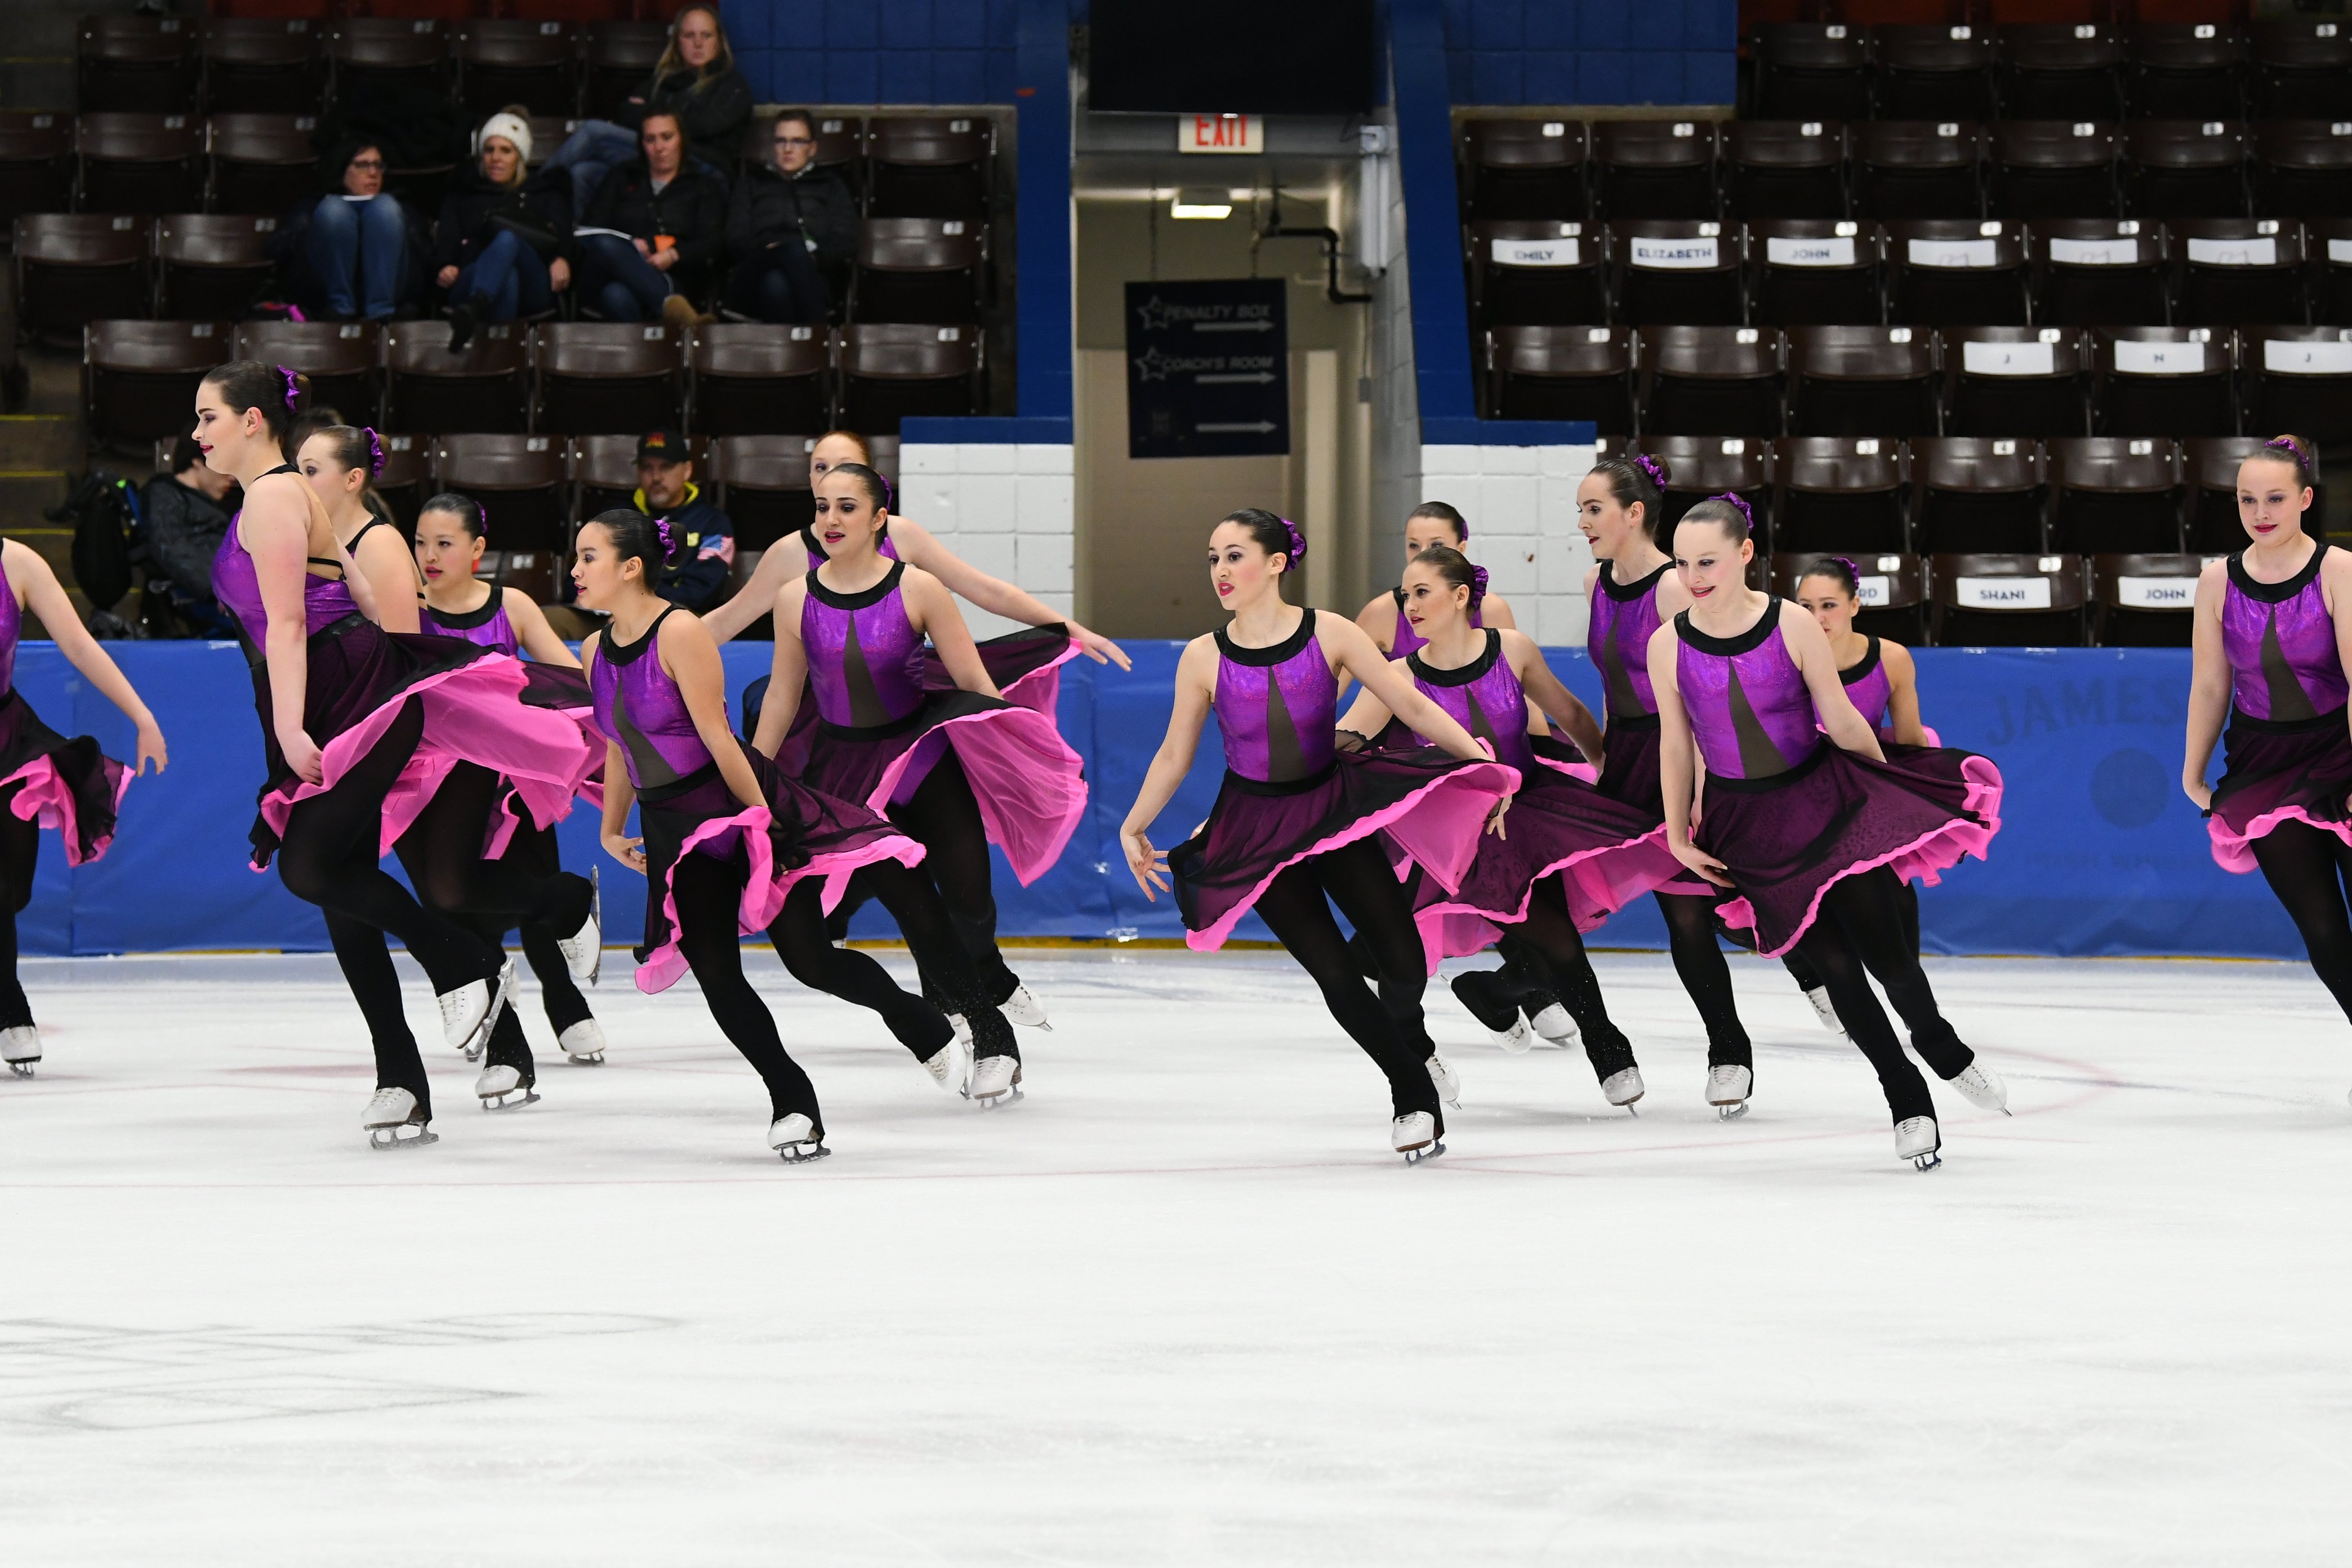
(501, 246)
(358, 244)
(695, 78)
(664, 222)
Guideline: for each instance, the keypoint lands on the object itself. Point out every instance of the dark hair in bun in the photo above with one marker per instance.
(2290, 450)
(1638, 479)
(280, 394)
(652, 540)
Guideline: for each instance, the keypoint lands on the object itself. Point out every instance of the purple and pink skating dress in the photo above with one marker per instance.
(684, 807)
(881, 728)
(69, 785)
(1290, 792)
(1788, 811)
(359, 678)
(1623, 620)
(550, 686)
(2288, 752)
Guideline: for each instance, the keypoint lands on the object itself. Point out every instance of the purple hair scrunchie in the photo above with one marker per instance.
(1746, 511)
(1649, 465)
(1298, 551)
(662, 533)
(376, 452)
(293, 385)
(2285, 442)
(1477, 587)
(1852, 570)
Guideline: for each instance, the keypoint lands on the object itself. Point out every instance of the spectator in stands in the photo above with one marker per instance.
(500, 246)
(696, 578)
(792, 227)
(664, 222)
(695, 78)
(183, 517)
(356, 242)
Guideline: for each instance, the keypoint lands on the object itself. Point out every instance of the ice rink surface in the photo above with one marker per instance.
(1180, 1306)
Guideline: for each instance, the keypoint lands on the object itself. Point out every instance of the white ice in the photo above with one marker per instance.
(1181, 1306)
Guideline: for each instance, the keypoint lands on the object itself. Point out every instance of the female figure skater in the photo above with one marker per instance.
(957, 771)
(356, 723)
(450, 536)
(1633, 592)
(729, 845)
(1300, 823)
(48, 781)
(1816, 836)
(342, 463)
(1571, 855)
(1384, 620)
(2272, 643)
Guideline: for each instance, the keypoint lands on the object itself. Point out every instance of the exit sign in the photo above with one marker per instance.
(1220, 133)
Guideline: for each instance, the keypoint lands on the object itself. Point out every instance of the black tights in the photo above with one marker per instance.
(1802, 972)
(20, 852)
(1546, 947)
(708, 893)
(1296, 906)
(943, 817)
(914, 902)
(1698, 959)
(1858, 934)
(2307, 869)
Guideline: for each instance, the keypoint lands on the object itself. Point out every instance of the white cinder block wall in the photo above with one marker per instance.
(1009, 508)
(1521, 506)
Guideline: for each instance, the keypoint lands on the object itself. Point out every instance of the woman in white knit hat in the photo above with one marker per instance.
(501, 247)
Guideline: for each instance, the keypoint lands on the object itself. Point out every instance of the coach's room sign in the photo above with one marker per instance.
(1208, 369)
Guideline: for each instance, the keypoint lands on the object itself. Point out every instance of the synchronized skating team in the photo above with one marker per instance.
(1760, 768)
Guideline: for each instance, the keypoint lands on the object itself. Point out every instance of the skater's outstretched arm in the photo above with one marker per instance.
(1196, 691)
(689, 658)
(1368, 716)
(1353, 653)
(1544, 690)
(1677, 759)
(919, 547)
(931, 610)
(758, 596)
(2209, 683)
(1809, 645)
(1902, 693)
(538, 639)
(37, 590)
(275, 527)
(787, 671)
(620, 794)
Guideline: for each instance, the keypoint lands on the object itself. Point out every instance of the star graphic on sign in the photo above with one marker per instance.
(1151, 365)
(1155, 314)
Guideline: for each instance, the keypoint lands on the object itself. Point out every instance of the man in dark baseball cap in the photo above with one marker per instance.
(697, 579)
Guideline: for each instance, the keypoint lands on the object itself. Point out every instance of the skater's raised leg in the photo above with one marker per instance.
(708, 893)
(943, 816)
(1551, 933)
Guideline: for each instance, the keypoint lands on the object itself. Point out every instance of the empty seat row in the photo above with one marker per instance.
(1564, 170)
(1910, 380)
(564, 378)
(2283, 67)
(1863, 494)
(1942, 271)
(2015, 599)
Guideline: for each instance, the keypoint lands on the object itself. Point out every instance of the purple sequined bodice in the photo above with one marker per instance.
(1749, 710)
(1408, 641)
(864, 657)
(1277, 706)
(1623, 620)
(488, 626)
(1869, 689)
(238, 585)
(1476, 695)
(2281, 642)
(641, 707)
(12, 627)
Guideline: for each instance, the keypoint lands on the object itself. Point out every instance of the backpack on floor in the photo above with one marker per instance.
(103, 511)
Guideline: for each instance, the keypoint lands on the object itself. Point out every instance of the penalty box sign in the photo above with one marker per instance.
(1208, 369)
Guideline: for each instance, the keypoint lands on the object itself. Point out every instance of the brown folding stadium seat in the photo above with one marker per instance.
(210, 267)
(2301, 70)
(2056, 168)
(1977, 492)
(889, 372)
(1847, 493)
(596, 378)
(2160, 380)
(505, 61)
(2017, 381)
(146, 64)
(407, 470)
(389, 52)
(1666, 271)
(2298, 379)
(1541, 274)
(548, 132)
(2328, 243)
(840, 147)
(1957, 272)
(2089, 272)
(751, 378)
(2186, 71)
(2186, 168)
(1892, 589)
(262, 164)
(604, 470)
(2303, 167)
(617, 57)
(2060, 71)
(73, 268)
(2007, 601)
(36, 162)
(919, 269)
(1656, 169)
(2143, 601)
(1812, 70)
(139, 378)
(1527, 170)
(138, 163)
(1562, 373)
(484, 387)
(1711, 380)
(1932, 73)
(537, 572)
(345, 360)
(518, 479)
(764, 487)
(1701, 466)
(1911, 169)
(929, 166)
(1785, 169)
(262, 65)
(2114, 493)
(1815, 271)
(1863, 381)
(2235, 270)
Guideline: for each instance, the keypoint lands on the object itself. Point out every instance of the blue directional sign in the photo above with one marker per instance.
(1208, 369)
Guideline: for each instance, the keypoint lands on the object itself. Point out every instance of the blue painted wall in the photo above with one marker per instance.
(1590, 51)
(876, 51)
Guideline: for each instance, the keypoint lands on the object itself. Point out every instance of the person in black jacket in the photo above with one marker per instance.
(183, 517)
(500, 247)
(792, 227)
(696, 578)
(695, 78)
(674, 216)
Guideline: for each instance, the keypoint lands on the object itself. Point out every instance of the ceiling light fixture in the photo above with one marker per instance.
(1204, 202)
